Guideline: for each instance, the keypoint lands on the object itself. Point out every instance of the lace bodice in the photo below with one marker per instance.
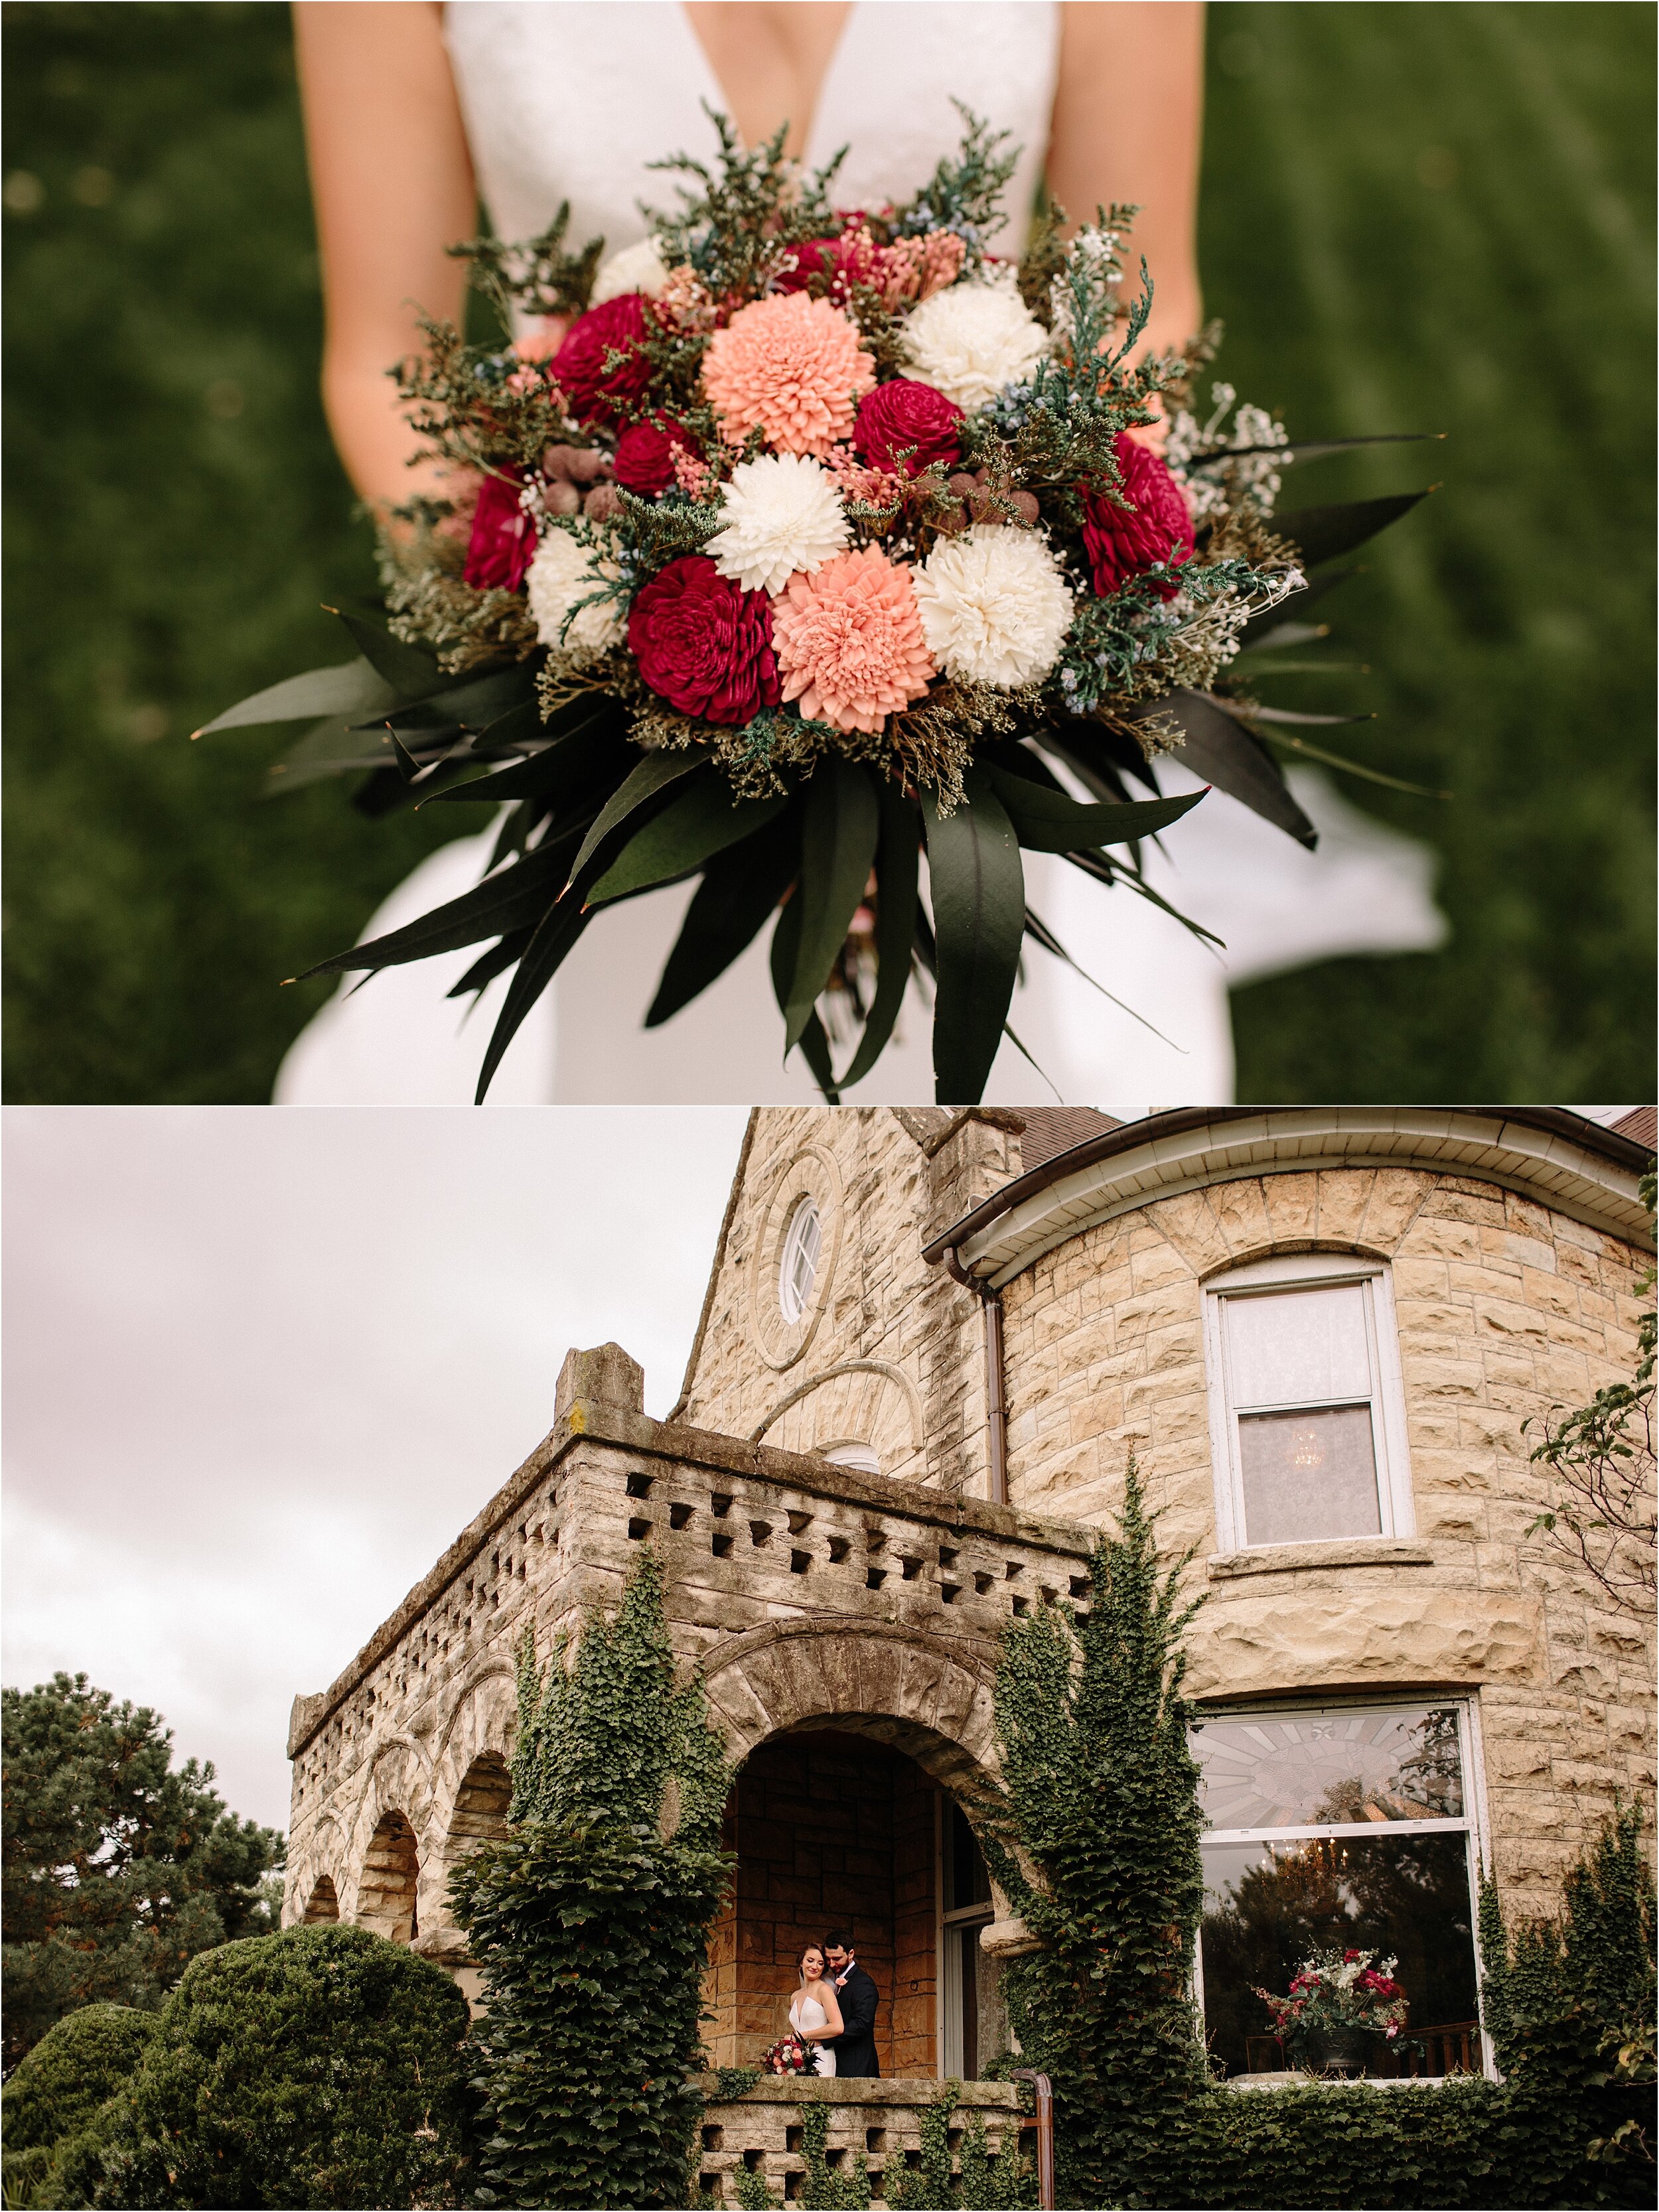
(570, 100)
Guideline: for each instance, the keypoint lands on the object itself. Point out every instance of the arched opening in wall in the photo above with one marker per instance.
(834, 1830)
(322, 1904)
(386, 1895)
(480, 1803)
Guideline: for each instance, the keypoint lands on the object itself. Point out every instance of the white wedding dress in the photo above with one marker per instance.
(566, 99)
(806, 2012)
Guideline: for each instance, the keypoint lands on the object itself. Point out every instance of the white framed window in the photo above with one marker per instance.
(1306, 1409)
(1347, 1826)
(798, 1266)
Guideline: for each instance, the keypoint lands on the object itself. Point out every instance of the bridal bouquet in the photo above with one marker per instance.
(790, 2056)
(790, 544)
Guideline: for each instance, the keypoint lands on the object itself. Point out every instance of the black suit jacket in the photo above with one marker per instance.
(855, 2046)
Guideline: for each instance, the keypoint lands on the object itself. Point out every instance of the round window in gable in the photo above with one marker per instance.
(861, 1458)
(797, 1270)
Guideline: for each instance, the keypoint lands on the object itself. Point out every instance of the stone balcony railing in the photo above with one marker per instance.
(882, 2120)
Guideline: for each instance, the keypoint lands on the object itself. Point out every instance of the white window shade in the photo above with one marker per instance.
(1299, 1348)
(1307, 1415)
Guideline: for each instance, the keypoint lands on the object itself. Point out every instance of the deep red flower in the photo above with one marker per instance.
(1348, 1957)
(598, 393)
(703, 644)
(503, 540)
(905, 413)
(1121, 542)
(846, 256)
(645, 457)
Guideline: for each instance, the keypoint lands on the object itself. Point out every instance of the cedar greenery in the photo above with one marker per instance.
(458, 686)
(120, 1868)
(1095, 1839)
(591, 1921)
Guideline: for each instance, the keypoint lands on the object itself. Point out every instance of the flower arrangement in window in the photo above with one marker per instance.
(794, 542)
(1339, 1993)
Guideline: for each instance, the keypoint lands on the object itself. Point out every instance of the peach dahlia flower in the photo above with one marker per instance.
(791, 367)
(848, 641)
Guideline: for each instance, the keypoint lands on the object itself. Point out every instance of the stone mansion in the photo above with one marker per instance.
(929, 1344)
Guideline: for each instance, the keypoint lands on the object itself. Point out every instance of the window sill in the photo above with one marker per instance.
(1346, 1552)
(1299, 2080)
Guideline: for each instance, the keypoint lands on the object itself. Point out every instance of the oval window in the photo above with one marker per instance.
(797, 1270)
(861, 1458)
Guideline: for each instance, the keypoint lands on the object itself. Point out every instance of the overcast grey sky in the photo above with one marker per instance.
(261, 1366)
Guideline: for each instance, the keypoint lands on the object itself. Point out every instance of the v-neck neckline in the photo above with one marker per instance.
(721, 100)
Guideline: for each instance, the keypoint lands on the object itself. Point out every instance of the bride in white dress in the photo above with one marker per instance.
(813, 2010)
(411, 110)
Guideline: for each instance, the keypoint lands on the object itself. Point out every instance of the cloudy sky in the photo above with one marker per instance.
(262, 1366)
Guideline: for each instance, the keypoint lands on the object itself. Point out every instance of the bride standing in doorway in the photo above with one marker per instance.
(413, 112)
(814, 2015)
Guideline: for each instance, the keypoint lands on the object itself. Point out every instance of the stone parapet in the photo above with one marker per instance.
(882, 2120)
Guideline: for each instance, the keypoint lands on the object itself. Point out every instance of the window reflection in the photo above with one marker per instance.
(1268, 1906)
(1331, 1768)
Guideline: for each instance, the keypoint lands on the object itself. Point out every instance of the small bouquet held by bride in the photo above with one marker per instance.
(794, 543)
(789, 2055)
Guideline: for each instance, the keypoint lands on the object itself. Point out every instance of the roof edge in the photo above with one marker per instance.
(1158, 1132)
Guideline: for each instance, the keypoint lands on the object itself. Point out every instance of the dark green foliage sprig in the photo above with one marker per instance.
(322, 2066)
(120, 1868)
(591, 1921)
(539, 277)
(964, 192)
(737, 219)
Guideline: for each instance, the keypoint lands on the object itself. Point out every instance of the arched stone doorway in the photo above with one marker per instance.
(858, 1744)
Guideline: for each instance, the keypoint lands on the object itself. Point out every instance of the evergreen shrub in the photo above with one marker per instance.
(1095, 1838)
(591, 1921)
(322, 2066)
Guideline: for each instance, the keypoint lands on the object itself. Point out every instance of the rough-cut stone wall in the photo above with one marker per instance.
(888, 1353)
(806, 1597)
(1504, 1308)
(879, 2121)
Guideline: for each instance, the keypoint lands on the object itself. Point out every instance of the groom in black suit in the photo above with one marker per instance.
(855, 2046)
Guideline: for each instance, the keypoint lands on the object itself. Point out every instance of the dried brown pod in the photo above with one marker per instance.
(562, 498)
(604, 502)
(577, 464)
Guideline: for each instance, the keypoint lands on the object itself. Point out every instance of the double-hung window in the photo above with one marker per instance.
(1339, 1829)
(1307, 1413)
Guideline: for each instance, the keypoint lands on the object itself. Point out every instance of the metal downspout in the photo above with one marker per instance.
(996, 1408)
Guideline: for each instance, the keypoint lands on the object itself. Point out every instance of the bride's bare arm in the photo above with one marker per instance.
(1127, 124)
(393, 185)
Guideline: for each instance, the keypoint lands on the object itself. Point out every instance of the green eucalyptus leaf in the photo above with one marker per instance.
(1320, 533)
(898, 869)
(702, 821)
(351, 689)
(540, 961)
(1227, 755)
(412, 672)
(841, 822)
(516, 898)
(584, 756)
(978, 889)
(652, 775)
(739, 887)
(1049, 821)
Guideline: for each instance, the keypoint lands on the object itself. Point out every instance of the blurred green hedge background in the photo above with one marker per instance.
(1415, 217)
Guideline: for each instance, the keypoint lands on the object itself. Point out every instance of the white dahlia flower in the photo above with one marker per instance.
(636, 268)
(564, 571)
(971, 339)
(783, 518)
(994, 605)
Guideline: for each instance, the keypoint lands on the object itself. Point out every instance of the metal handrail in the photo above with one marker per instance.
(1044, 2124)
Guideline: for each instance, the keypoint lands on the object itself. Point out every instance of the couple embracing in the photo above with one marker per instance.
(834, 2011)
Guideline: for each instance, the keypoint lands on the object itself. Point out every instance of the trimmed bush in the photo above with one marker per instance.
(322, 2066)
(75, 2067)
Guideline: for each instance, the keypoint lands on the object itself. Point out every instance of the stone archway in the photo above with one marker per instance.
(856, 1743)
(386, 1887)
(323, 1903)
